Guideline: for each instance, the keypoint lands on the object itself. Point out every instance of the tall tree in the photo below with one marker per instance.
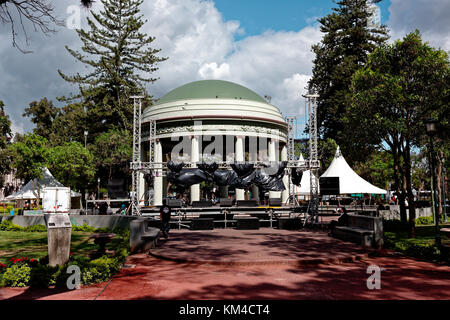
(5, 140)
(42, 114)
(401, 85)
(72, 164)
(30, 158)
(112, 151)
(119, 55)
(348, 39)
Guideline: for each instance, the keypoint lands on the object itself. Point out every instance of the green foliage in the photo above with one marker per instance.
(119, 56)
(5, 127)
(83, 228)
(344, 48)
(327, 150)
(42, 114)
(113, 151)
(30, 156)
(43, 276)
(377, 169)
(17, 276)
(424, 221)
(8, 225)
(72, 164)
(5, 139)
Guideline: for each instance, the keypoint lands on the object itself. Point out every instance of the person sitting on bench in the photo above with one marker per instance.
(341, 221)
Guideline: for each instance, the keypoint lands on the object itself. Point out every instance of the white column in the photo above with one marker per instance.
(285, 193)
(239, 150)
(195, 189)
(273, 157)
(253, 156)
(158, 179)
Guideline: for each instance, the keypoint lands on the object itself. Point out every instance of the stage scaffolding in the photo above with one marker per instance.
(138, 166)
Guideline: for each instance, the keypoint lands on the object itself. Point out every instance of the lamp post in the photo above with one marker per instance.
(431, 130)
(85, 138)
(98, 189)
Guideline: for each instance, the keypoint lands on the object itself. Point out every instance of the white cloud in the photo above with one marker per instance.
(200, 44)
(213, 71)
(430, 17)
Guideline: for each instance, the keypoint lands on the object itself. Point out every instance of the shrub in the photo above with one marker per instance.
(7, 225)
(36, 228)
(83, 228)
(43, 276)
(424, 220)
(17, 276)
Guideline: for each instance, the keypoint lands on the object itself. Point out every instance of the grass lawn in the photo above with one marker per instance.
(421, 246)
(34, 244)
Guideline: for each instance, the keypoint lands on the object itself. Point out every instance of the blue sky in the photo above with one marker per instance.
(202, 39)
(257, 16)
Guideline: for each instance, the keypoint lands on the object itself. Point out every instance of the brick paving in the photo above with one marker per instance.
(155, 278)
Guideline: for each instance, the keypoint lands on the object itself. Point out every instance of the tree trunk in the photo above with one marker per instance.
(397, 174)
(411, 202)
(402, 188)
(438, 175)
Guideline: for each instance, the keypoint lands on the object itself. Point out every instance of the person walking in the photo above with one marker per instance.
(165, 213)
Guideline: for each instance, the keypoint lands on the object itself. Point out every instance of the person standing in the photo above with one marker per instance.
(165, 213)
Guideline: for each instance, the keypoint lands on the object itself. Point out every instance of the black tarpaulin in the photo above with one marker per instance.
(296, 177)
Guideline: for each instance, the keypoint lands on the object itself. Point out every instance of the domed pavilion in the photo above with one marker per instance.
(213, 119)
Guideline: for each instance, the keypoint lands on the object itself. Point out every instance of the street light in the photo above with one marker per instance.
(85, 138)
(98, 189)
(431, 130)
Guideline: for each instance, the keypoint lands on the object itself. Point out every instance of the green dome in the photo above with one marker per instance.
(211, 89)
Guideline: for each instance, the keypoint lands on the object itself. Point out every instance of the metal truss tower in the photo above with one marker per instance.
(136, 159)
(313, 157)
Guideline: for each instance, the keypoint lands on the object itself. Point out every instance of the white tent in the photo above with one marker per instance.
(349, 181)
(304, 188)
(47, 180)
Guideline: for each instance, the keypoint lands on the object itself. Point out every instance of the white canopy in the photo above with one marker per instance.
(47, 180)
(305, 184)
(349, 181)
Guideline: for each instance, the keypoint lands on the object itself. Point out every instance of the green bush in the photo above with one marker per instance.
(424, 220)
(83, 228)
(7, 225)
(43, 276)
(17, 276)
(35, 228)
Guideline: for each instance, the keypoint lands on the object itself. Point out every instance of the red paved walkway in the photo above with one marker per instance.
(256, 247)
(152, 278)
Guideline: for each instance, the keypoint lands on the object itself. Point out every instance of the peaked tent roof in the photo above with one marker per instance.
(47, 180)
(349, 181)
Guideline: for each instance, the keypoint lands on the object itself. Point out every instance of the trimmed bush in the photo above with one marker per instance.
(17, 276)
(424, 221)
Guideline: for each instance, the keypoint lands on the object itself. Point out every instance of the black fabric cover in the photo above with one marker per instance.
(175, 166)
(296, 177)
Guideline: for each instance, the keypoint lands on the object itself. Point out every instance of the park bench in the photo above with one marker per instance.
(364, 230)
(143, 237)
